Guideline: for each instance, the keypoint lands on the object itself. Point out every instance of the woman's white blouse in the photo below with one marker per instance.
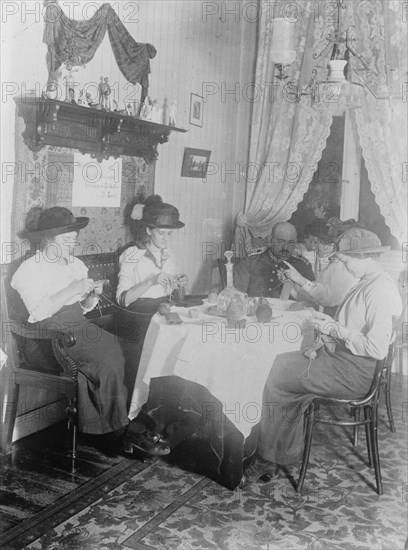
(368, 311)
(135, 266)
(39, 278)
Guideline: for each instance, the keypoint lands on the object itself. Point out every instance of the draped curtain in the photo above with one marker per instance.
(288, 137)
(382, 123)
(75, 43)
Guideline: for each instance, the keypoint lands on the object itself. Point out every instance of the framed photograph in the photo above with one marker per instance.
(196, 110)
(195, 163)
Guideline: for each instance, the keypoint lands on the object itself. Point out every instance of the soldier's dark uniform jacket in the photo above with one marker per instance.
(258, 274)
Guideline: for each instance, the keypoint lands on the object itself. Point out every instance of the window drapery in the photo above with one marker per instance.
(382, 123)
(75, 43)
(288, 137)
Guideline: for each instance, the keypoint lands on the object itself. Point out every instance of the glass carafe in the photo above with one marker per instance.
(230, 293)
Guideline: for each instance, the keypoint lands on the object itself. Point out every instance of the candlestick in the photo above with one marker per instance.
(283, 42)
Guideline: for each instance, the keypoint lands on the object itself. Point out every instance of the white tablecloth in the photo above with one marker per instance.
(233, 364)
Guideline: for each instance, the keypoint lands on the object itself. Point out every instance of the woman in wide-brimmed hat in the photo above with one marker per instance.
(56, 290)
(361, 333)
(147, 276)
(148, 269)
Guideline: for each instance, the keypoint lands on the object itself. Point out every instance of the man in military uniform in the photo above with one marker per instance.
(261, 274)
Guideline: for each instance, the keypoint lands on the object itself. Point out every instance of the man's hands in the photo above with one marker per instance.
(293, 274)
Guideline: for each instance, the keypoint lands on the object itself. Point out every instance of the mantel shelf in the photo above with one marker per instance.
(101, 134)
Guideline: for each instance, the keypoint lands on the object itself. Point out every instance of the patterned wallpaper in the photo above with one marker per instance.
(45, 179)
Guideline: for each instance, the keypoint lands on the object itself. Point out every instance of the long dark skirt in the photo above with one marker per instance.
(131, 325)
(101, 391)
(290, 388)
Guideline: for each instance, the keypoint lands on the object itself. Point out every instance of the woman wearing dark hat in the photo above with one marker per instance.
(333, 281)
(56, 290)
(147, 276)
(360, 334)
(148, 269)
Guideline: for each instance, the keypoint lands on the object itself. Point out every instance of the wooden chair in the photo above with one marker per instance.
(385, 382)
(14, 332)
(369, 404)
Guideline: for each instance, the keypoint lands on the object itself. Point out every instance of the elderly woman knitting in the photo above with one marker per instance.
(361, 331)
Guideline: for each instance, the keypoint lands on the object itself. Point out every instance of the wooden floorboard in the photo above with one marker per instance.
(36, 475)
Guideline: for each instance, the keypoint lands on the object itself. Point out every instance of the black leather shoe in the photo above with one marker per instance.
(146, 442)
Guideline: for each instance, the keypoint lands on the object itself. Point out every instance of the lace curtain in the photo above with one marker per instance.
(288, 137)
(382, 123)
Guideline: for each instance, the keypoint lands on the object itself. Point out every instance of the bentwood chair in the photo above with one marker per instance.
(385, 382)
(58, 373)
(368, 403)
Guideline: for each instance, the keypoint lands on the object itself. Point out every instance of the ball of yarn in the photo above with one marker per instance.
(212, 297)
(164, 308)
(263, 313)
(235, 311)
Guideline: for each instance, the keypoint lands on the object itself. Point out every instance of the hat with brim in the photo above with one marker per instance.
(160, 215)
(56, 221)
(360, 241)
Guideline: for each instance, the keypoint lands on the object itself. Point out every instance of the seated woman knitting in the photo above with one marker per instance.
(147, 277)
(56, 290)
(361, 330)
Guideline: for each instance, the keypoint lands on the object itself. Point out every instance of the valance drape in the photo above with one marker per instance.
(75, 43)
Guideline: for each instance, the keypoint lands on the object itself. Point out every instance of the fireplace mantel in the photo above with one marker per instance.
(100, 133)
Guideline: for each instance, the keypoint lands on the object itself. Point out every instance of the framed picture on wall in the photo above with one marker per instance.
(196, 110)
(195, 163)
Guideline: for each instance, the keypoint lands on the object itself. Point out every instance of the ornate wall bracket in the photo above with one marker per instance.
(96, 132)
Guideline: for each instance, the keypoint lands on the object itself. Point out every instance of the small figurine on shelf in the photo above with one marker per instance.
(104, 90)
(71, 95)
(93, 103)
(81, 98)
(165, 112)
(173, 113)
(52, 90)
(146, 112)
(69, 88)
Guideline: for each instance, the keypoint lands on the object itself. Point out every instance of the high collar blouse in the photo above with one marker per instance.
(137, 265)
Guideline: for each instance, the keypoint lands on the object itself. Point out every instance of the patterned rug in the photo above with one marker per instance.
(157, 505)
